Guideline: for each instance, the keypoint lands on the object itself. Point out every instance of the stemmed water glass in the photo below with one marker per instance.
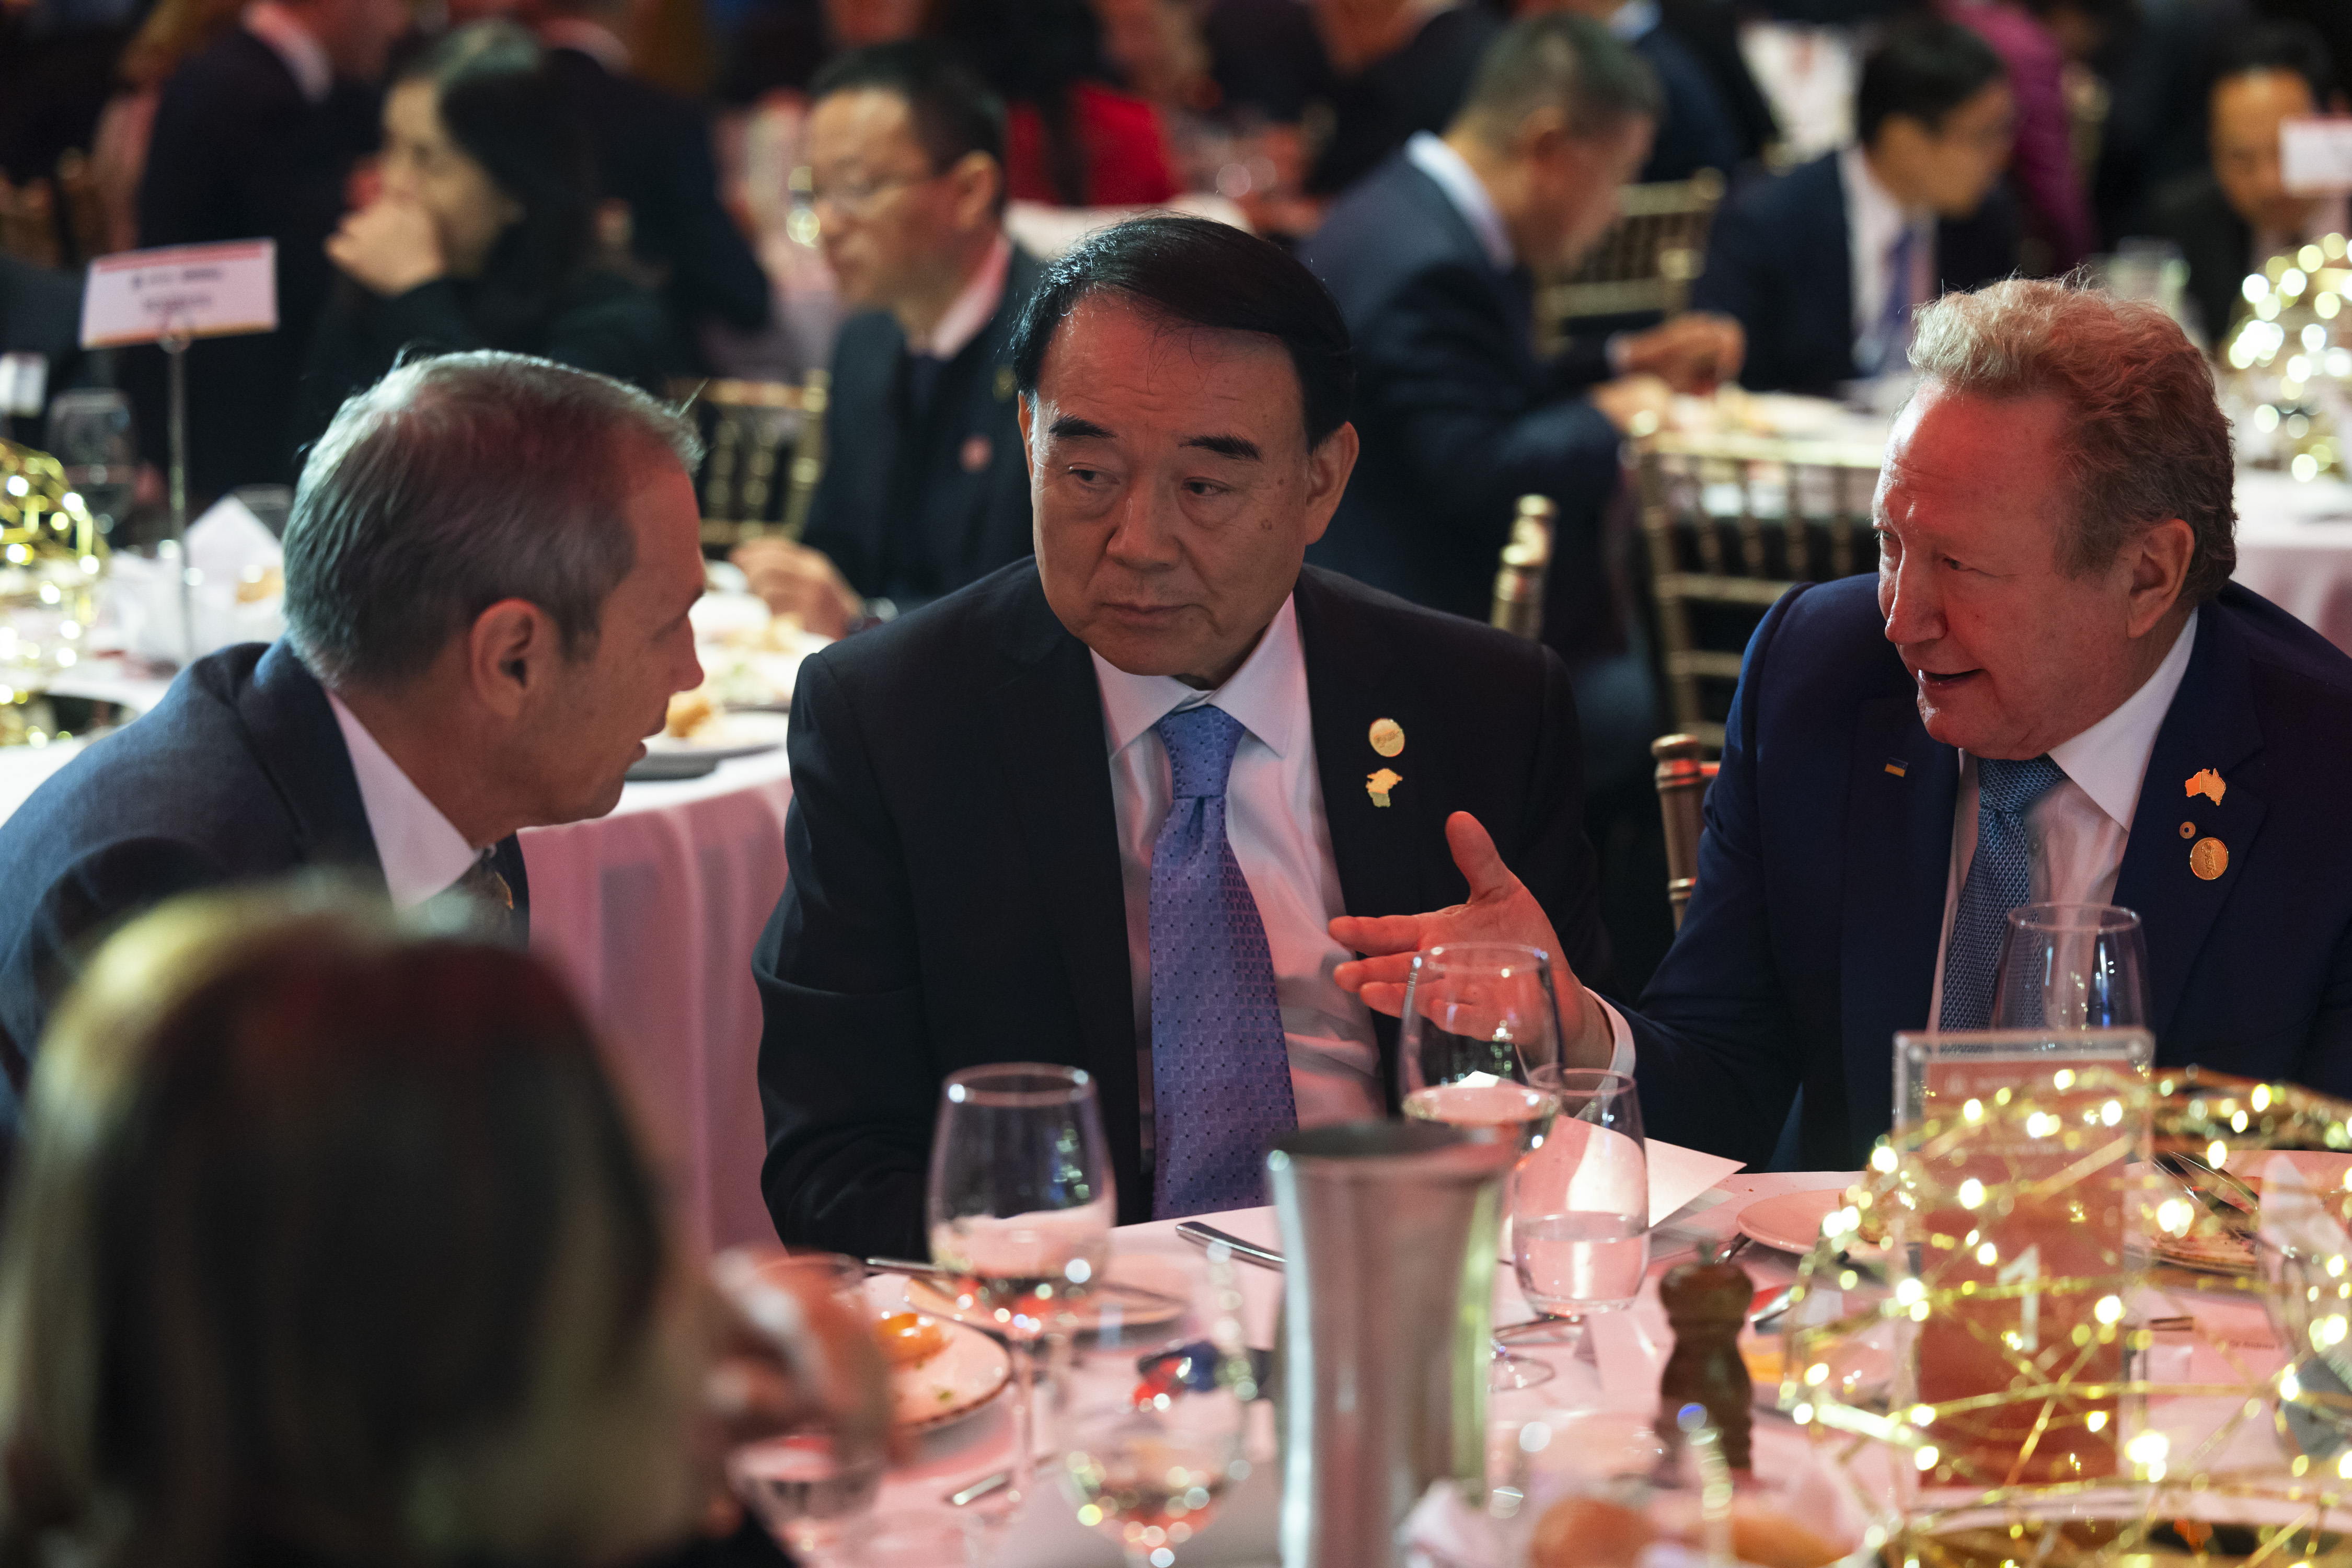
(1020, 1206)
(2072, 966)
(1580, 1210)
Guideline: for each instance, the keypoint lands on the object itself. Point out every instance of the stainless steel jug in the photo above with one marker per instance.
(1389, 1233)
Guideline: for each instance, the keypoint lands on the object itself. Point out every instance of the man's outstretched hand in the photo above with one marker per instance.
(1500, 910)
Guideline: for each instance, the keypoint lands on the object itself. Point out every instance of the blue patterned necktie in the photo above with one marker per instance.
(1893, 335)
(1220, 1068)
(2000, 877)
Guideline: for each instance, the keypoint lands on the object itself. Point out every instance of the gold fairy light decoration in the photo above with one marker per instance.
(52, 559)
(2290, 357)
(2090, 1319)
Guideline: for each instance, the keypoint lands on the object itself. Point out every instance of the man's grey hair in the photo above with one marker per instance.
(2144, 439)
(1558, 60)
(455, 482)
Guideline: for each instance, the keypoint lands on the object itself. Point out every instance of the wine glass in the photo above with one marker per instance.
(1159, 1400)
(1580, 1210)
(89, 432)
(1020, 1206)
(1478, 1018)
(2072, 966)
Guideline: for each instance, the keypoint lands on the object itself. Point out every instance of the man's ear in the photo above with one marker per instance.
(510, 650)
(1327, 467)
(2160, 566)
(979, 180)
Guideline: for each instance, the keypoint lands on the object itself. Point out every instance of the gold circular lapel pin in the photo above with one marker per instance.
(1387, 737)
(2208, 857)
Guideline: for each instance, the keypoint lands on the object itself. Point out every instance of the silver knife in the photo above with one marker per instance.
(1201, 1235)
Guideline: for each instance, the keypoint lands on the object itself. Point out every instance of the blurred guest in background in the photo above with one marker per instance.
(1070, 138)
(2156, 59)
(487, 573)
(482, 235)
(1825, 265)
(173, 31)
(1098, 808)
(1695, 129)
(256, 136)
(2056, 218)
(2229, 218)
(355, 1215)
(924, 488)
(654, 159)
(1266, 59)
(1430, 260)
(1398, 66)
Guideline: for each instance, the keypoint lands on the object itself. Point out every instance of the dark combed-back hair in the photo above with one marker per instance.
(1194, 272)
(299, 1194)
(458, 482)
(500, 103)
(2294, 47)
(1558, 60)
(1922, 70)
(954, 112)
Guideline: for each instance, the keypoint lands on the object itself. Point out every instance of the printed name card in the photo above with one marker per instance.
(192, 290)
(2315, 156)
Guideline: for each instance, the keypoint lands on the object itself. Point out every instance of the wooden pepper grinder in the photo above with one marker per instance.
(1707, 1305)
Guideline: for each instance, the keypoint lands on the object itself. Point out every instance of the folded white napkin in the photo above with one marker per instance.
(238, 597)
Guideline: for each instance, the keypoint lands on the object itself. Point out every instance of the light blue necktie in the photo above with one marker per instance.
(2000, 877)
(1220, 1069)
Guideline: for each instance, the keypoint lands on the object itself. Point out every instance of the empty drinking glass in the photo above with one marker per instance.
(2072, 966)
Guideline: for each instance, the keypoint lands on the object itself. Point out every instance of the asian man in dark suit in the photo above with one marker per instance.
(1825, 265)
(924, 488)
(1099, 808)
(2051, 693)
(487, 573)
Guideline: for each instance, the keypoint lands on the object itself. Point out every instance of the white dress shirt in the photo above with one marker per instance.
(1280, 836)
(1463, 188)
(972, 308)
(296, 44)
(2076, 832)
(422, 855)
(1875, 220)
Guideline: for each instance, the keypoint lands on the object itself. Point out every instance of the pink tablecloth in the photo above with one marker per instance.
(2294, 549)
(651, 912)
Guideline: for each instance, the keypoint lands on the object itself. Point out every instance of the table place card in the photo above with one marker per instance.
(1679, 1174)
(23, 379)
(200, 290)
(2315, 156)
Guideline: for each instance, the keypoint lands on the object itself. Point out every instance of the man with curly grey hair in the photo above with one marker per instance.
(487, 573)
(2051, 692)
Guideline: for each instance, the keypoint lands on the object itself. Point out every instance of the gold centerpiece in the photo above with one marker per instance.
(52, 559)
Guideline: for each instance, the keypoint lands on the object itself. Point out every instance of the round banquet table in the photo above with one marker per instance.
(2294, 549)
(651, 912)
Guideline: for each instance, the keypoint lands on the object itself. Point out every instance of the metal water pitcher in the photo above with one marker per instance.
(1388, 1230)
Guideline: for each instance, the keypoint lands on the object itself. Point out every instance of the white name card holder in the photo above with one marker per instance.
(2315, 156)
(171, 297)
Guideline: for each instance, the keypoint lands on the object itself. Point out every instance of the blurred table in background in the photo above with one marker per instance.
(2294, 548)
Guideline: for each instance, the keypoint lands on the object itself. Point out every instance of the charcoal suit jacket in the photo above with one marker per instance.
(1823, 867)
(240, 774)
(955, 895)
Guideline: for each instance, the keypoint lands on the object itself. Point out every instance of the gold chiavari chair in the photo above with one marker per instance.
(765, 443)
(1732, 522)
(1645, 263)
(1527, 562)
(1684, 774)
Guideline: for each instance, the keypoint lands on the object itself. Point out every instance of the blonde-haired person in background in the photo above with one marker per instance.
(329, 1243)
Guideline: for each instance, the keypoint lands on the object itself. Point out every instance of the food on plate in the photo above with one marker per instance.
(689, 711)
(1589, 1532)
(909, 1338)
(1775, 1541)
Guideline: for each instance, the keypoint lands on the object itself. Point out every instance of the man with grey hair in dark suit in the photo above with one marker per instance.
(488, 574)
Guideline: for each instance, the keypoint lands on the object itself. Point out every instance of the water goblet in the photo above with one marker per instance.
(2072, 966)
(1581, 1208)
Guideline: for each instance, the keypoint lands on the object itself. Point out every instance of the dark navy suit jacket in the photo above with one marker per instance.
(916, 502)
(240, 774)
(955, 895)
(1778, 260)
(1813, 936)
(1696, 130)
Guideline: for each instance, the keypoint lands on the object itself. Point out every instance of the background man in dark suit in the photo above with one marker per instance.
(1430, 261)
(487, 573)
(1825, 265)
(653, 153)
(254, 137)
(924, 488)
(1397, 67)
(2051, 693)
(1696, 127)
(994, 798)
(2236, 214)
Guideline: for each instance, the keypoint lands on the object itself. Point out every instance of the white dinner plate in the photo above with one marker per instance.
(1792, 1222)
(1145, 1270)
(955, 1381)
(729, 733)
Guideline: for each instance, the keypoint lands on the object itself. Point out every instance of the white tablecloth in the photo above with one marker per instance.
(651, 912)
(2294, 549)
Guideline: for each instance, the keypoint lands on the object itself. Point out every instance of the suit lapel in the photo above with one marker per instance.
(2211, 725)
(1901, 787)
(301, 747)
(1049, 734)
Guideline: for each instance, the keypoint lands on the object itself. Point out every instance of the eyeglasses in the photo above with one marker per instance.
(857, 199)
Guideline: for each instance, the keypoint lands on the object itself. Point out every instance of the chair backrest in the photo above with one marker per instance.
(1684, 775)
(1527, 562)
(765, 451)
(1732, 522)
(1647, 261)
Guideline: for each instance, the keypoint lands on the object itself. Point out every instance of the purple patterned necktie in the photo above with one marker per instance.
(1220, 1068)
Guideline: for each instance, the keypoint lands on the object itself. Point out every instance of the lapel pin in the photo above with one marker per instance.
(2187, 831)
(1379, 784)
(1897, 766)
(2207, 783)
(2208, 857)
(1388, 737)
